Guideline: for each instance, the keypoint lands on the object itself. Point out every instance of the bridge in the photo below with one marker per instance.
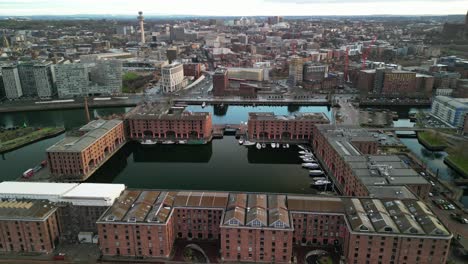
(253, 101)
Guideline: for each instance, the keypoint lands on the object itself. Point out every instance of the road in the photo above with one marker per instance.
(349, 114)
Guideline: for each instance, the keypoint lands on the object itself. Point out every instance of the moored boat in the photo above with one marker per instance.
(148, 142)
(304, 152)
(258, 146)
(273, 145)
(248, 143)
(315, 172)
(168, 142)
(263, 145)
(310, 165)
(241, 141)
(182, 142)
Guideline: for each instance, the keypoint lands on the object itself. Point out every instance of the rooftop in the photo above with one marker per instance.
(95, 130)
(164, 112)
(32, 210)
(265, 116)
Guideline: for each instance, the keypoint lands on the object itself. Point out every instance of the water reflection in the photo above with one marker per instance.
(273, 156)
(220, 110)
(172, 153)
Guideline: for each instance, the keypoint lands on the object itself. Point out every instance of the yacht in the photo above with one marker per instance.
(168, 142)
(241, 141)
(320, 182)
(319, 179)
(305, 152)
(182, 142)
(310, 165)
(203, 105)
(273, 145)
(263, 145)
(308, 160)
(258, 146)
(148, 142)
(248, 143)
(315, 172)
(307, 157)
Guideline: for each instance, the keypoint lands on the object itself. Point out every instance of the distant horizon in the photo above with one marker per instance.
(307, 8)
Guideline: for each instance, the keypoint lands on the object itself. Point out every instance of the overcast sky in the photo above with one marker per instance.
(233, 7)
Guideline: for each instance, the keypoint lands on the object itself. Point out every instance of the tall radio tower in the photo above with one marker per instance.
(141, 18)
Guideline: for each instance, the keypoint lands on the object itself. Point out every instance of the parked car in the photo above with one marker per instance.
(459, 218)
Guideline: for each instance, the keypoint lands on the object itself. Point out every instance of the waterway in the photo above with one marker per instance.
(220, 165)
(435, 162)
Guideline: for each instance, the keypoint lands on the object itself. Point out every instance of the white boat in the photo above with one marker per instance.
(308, 160)
(248, 143)
(241, 141)
(203, 105)
(320, 182)
(258, 146)
(263, 145)
(287, 145)
(168, 142)
(148, 142)
(311, 165)
(307, 157)
(278, 145)
(315, 172)
(273, 145)
(304, 152)
(182, 141)
(319, 179)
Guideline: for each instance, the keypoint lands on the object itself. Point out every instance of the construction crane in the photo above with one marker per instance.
(366, 52)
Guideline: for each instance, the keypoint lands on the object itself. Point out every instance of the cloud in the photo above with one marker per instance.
(351, 1)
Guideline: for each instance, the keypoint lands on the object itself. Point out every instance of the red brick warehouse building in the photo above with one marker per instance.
(157, 122)
(350, 156)
(77, 157)
(259, 227)
(28, 226)
(271, 127)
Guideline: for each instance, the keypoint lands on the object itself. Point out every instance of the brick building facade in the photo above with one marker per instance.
(148, 122)
(259, 227)
(268, 126)
(28, 226)
(77, 157)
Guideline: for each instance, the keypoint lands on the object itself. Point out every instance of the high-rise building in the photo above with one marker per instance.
(28, 83)
(44, 80)
(220, 82)
(171, 54)
(72, 79)
(80, 79)
(296, 68)
(106, 77)
(11, 82)
(450, 110)
(177, 33)
(172, 77)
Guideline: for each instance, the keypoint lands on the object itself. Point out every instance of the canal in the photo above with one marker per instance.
(220, 165)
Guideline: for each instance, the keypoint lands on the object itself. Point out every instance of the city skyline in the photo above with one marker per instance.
(217, 8)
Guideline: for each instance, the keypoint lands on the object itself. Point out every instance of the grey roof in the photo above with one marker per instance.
(78, 144)
(26, 209)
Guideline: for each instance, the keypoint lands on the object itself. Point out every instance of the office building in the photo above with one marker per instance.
(271, 127)
(450, 110)
(75, 158)
(314, 73)
(172, 78)
(28, 82)
(11, 82)
(162, 124)
(220, 82)
(296, 69)
(177, 33)
(106, 77)
(192, 69)
(249, 74)
(44, 80)
(125, 30)
(72, 79)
